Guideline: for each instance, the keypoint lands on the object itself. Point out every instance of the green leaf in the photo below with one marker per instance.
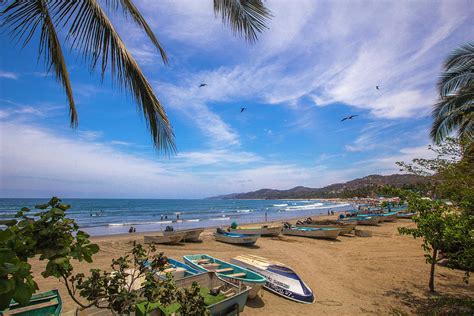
(5, 235)
(25, 209)
(8, 222)
(23, 293)
(42, 206)
(5, 300)
(6, 285)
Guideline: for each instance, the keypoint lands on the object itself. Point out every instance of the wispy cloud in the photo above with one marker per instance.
(8, 75)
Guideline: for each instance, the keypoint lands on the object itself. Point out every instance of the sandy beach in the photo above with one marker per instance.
(379, 275)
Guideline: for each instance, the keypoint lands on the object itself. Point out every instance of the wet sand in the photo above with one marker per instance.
(349, 276)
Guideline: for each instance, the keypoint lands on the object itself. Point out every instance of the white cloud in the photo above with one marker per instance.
(8, 75)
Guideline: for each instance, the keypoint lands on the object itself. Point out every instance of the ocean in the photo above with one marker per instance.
(115, 216)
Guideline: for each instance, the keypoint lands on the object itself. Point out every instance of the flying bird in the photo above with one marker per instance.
(377, 87)
(349, 117)
(202, 85)
(242, 109)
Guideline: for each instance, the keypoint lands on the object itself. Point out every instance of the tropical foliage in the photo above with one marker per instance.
(89, 30)
(455, 109)
(131, 286)
(446, 223)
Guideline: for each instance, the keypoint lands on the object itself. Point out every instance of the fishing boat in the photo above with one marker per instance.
(405, 215)
(190, 234)
(160, 238)
(346, 228)
(264, 230)
(227, 271)
(42, 304)
(281, 279)
(326, 233)
(236, 239)
(177, 269)
(361, 220)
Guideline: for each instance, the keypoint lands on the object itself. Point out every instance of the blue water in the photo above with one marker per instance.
(115, 216)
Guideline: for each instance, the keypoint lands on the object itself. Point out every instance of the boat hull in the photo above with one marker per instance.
(170, 239)
(251, 279)
(262, 231)
(329, 233)
(345, 228)
(281, 279)
(42, 304)
(212, 280)
(191, 235)
(246, 240)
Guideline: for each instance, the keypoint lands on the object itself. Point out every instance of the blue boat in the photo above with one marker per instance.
(177, 269)
(227, 271)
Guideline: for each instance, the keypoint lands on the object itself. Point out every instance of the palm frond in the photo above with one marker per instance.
(245, 17)
(23, 18)
(93, 34)
(462, 56)
(129, 9)
(450, 82)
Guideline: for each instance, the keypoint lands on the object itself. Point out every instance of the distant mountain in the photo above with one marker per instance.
(366, 186)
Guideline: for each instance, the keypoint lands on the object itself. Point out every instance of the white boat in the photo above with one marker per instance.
(281, 279)
(236, 239)
(330, 233)
(264, 230)
(190, 234)
(159, 238)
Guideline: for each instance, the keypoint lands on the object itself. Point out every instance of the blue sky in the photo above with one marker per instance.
(318, 62)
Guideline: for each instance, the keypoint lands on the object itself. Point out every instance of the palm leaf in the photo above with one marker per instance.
(463, 55)
(23, 17)
(245, 17)
(129, 9)
(93, 34)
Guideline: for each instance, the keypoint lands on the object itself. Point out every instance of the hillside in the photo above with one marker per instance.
(365, 186)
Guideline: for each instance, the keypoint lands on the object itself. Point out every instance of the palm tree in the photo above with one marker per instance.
(90, 31)
(455, 109)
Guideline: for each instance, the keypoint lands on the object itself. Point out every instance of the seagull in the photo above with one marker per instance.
(242, 109)
(349, 117)
(202, 85)
(377, 87)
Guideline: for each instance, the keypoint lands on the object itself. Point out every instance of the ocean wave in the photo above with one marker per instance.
(219, 219)
(304, 207)
(139, 223)
(244, 211)
(280, 204)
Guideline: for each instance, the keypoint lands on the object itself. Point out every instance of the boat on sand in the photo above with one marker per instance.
(346, 228)
(42, 304)
(227, 271)
(160, 238)
(190, 234)
(326, 233)
(264, 230)
(236, 239)
(281, 279)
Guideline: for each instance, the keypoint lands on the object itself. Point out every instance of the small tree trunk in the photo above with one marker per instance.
(433, 264)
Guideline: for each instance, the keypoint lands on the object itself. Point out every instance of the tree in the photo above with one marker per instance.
(455, 109)
(446, 227)
(90, 31)
(130, 286)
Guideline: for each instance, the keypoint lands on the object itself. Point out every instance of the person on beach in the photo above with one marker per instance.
(265, 216)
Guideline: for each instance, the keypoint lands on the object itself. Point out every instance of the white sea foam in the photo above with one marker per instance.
(280, 204)
(244, 211)
(219, 219)
(304, 207)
